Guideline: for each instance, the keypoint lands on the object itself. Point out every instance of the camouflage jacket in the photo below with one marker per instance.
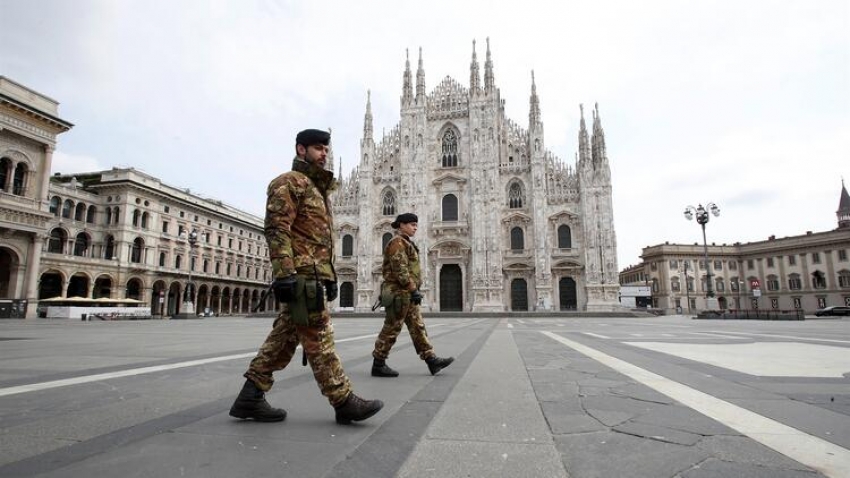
(299, 225)
(401, 268)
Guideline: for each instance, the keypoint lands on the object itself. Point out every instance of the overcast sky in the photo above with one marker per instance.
(742, 103)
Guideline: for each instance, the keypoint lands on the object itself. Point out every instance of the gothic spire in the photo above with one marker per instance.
(474, 78)
(488, 71)
(329, 164)
(599, 153)
(407, 90)
(420, 78)
(843, 212)
(367, 119)
(583, 143)
(534, 105)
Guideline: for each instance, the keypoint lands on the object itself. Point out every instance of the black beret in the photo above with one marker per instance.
(310, 137)
(407, 217)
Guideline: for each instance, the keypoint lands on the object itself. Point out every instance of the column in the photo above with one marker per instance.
(33, 260)
(43, 184)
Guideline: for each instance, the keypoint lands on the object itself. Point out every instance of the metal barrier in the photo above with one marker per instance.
(753, 314)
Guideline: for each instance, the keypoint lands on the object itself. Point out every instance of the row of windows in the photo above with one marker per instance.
(449, 149)
(167, 209)
(140, 219)
(732, 265)
(795, 282)
(516, 199)
(82, 243)
(17, 176)
(517, 240)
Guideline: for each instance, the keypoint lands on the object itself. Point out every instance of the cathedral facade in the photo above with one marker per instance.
(504, 224)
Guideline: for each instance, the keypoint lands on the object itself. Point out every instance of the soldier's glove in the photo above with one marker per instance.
(416, 297)
(331, 290)
(284, 289)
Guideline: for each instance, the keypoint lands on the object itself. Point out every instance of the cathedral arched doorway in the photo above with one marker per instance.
(722, 303)
(346, 295)
(519, 294)
(451, 288)
(567, 293)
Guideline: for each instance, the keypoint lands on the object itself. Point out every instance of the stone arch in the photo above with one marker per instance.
(91, 214)
(67, 208)
(517, 238)
(137, 250)
(102, 286)
(215, 300)
(5, 172)
(172, 301)
(246, 301)
(78, 285)
(109, 247)
(388, 201)
(57, 240)
(82, 244)
(449, 209)
(56, 205)
(134, 289)
(159, 290)
(449, 139)
(80, 212)
(203, 300)
(20, 178)
(226, 300)
(10, 262)
(515, 192)
(50, 284)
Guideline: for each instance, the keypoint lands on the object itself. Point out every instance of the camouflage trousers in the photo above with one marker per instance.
(317, 339)
(409, 315)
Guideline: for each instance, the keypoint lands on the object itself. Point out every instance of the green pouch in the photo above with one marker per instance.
(298, 307)
(387, 297)
(315, 292)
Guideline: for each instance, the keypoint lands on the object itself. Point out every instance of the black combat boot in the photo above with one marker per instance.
(355, 409)
(251, 404)
(435, 364)
(381, 369)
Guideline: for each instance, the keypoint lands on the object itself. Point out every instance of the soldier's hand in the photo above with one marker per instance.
(331, 290)
(284, 289)
(416, 297)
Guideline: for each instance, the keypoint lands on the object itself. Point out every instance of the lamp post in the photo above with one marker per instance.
(188, 309)
(687, 286)
(702, 219)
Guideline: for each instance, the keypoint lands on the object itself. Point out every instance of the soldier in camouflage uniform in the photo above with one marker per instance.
(298, 228)
(402, 278)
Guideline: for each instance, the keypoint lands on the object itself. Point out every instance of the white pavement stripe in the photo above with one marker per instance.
(598, 336)
(510, 326)
(821, 455)
(719, 336)
(794, 337)
(33, 387)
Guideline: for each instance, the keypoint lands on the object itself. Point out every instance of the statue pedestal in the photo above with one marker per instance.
(187, 312)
